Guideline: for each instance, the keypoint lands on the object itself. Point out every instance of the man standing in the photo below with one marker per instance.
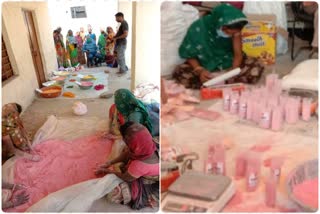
(121, 42)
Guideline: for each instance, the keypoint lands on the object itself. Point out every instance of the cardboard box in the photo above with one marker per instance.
(259, 38)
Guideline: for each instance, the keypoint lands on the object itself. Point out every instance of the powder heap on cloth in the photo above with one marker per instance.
(63, 163)
(307, 192)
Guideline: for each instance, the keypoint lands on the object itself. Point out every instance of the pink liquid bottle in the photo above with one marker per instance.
(265, 120)
(253, 171)
(257, 112)
(277, 119)
(234, 105)
(243, 107)
(271, 191)
(250, 108)
(226, 99)
(241, 163)
(275, 167)
(219, 160)
(306, 109)
(208, 165)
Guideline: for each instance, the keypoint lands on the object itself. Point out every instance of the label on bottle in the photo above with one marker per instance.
(252, 180)
(226, 102)
(209, 168)
(276, 172)
(265, 116)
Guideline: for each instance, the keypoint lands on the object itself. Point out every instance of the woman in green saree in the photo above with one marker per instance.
(212, 45)
(102, 43)
(72, 49)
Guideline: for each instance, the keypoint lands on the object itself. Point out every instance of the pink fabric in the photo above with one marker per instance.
(141, 145)
(138, 169)
(62, 164)
(307, 192)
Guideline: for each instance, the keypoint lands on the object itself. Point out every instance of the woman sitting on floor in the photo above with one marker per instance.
(213, 45)
(14, 137)
(140, 172)
(129, 108)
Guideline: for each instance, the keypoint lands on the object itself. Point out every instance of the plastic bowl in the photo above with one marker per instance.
(305, 171)
(51, 91)
(85, 85)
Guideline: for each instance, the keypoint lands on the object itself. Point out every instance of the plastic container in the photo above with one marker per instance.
(277, 119)
(219, 160)
(250, 108)
(51, 92)
(275, 167)
(265, 120)
(243, 107)
(241, 163)
(226, 99)
(253, 171)
(234, 105)
(306, 109)
(271, 191)
(85, 85)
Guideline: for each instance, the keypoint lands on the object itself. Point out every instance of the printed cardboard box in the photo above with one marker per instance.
(259, 38)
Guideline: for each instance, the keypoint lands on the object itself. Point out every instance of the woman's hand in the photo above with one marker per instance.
(19, 199)
(205, 75)
(18, 187)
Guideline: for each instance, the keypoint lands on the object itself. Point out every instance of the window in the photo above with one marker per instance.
(78, 12)
(7, 70)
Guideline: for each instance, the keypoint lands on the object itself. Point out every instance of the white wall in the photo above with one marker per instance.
(147, 39)
(20, 89)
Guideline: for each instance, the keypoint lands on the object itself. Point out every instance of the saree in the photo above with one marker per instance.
(127, 105)
(110, 58)
(102, 45)
(72, 50)
(144, 190)
(12, 126)
(203, 42)
(60, 50)
(81, 57)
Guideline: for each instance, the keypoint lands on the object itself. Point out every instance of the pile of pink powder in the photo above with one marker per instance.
(62, 164)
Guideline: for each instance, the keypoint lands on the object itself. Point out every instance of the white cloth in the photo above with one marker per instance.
(147, 93)
(303, 76)
(78, 197)
(175, 21)
(275, 8)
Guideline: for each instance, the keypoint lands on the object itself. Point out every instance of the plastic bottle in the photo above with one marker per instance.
(277, 119)
(271, 191)
(226, 99)
(306, 109)
(275, 167)
(234, 105)
(219, 160)
(243, 107)
(265, 120)
(241, 163)
(253, 171)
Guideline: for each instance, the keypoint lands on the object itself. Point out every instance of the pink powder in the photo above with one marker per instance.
(236, 199)
(307, 192)
(62, 164)
(86, 83)
(205, 114)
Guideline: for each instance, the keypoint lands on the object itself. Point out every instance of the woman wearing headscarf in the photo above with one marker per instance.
(213, 45)
(81, 58)
(91, 49)
(141, 169)
(110, 58)
(14, 135)
(72, 50)
(128, 108)
(60, 48)
(102, 43)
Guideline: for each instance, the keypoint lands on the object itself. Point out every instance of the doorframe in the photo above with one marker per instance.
(32, 11)
(133, 45)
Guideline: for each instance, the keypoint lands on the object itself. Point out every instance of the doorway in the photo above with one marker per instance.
(34, 46)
